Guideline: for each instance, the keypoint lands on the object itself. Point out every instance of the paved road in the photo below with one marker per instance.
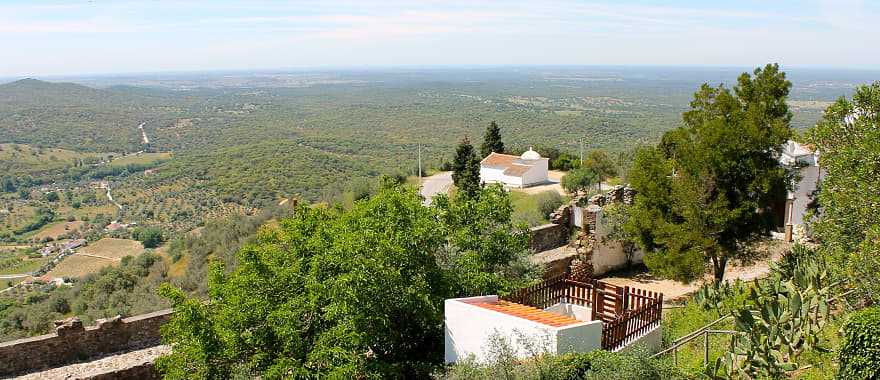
(435, 184)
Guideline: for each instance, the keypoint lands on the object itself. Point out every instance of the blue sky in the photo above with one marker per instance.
(92, 37)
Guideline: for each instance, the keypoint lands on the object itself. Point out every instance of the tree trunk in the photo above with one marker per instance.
(719, 264)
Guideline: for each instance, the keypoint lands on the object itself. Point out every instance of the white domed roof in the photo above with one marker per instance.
(530, 155)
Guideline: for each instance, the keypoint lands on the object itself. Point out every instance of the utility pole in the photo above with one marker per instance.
(420, 164)
(582, 153)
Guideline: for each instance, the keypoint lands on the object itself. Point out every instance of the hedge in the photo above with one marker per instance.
(859, 353)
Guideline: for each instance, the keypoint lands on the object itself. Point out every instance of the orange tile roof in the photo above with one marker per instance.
(499, 160)
(517, 170)
(527, 312)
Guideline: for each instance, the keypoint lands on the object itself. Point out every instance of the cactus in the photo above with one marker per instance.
(781, 319)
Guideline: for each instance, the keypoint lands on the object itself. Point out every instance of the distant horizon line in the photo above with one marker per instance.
(391, 68)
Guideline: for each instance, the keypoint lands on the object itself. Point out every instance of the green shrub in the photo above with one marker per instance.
(548, 202)
(859, 353)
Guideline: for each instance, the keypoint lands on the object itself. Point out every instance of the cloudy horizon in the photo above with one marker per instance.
(71, 38)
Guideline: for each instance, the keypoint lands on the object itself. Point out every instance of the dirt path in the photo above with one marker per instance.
(435, 184)
(674, 290)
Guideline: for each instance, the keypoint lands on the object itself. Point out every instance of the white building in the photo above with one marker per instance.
(805, 160)
(795, 154)
(557, 316)
(526, 170)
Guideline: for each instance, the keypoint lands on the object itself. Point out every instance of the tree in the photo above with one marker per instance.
(150, 237)
(601, 163)
(849, 223)
(492, 140)
(355, 293)
(51, 196)
(705, 191)
(580, 179)
(7, 184)
(466, 169)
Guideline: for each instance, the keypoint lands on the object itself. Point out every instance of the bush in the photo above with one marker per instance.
(548, 201)
(859, 353)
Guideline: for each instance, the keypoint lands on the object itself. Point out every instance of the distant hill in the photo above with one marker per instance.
(76, 117)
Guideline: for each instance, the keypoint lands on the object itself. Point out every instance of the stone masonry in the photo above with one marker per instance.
(73, 342)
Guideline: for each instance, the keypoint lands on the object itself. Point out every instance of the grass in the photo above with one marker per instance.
(55, 230)
(527, 207)
(140, 159)
(112, 248)
(19, 263)
(22, 158)
(75, 266)
(109, 250)
(681, 321)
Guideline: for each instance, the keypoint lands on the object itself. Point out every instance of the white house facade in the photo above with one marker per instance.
(526, 170)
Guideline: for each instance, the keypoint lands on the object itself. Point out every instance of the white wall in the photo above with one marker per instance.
(608, 254)
(581, 313)
(469, 329)
(651, 341)
(537, 174)
(490, 175)
(511, 180)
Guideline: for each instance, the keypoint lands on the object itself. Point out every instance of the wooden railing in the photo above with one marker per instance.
(626, 313)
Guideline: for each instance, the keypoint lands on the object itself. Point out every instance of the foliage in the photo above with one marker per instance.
(848, 139)
(150, 237)
(707, 188)
(565, 161)
(466, 169)
(548, 201)
(503, 363)
(580, 179)
(601, 163)
(326, 276)
(492, 140)
(780, 319)
(859, 353)
(127, 289)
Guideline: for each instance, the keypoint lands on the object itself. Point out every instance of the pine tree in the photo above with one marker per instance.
(466, 169)
(492, 141)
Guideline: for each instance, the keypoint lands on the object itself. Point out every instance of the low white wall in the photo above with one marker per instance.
(608, 254)
(581, 313)
(469, 330)
(579, 338)
(651, 341)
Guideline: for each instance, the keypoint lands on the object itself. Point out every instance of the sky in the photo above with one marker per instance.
(40, 38)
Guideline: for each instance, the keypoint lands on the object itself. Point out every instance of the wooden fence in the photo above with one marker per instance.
(626, 313)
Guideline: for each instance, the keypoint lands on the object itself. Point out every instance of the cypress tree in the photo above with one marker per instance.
(492, 141)
(466, 169)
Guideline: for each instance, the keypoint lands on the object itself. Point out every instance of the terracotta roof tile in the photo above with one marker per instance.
(517, 170)
(527, 312)
(499, 160)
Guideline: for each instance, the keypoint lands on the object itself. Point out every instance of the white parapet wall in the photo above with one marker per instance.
(471, 329)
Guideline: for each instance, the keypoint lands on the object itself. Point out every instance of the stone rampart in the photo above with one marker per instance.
(548, 236)
(73, 342)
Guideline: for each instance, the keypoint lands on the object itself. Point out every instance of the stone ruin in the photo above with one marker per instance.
(585, 242)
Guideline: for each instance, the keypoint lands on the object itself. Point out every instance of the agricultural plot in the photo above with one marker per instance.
(113, 249)
(97, 255)
(57, 229)
(75, 266)
(140, 159)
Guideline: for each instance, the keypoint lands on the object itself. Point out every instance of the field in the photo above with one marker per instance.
(75, 266)
(17, 262)
(57, 229)
(20, 158)
(114, 249)
(140, 159)
(92, 258)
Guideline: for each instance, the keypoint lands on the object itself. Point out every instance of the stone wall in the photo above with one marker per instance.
(73, 342)
(548, 236)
